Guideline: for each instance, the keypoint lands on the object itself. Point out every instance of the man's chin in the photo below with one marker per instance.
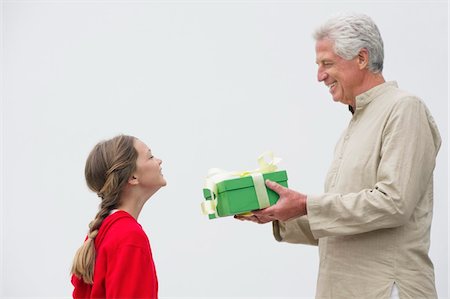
(336, 99)
(339, 100)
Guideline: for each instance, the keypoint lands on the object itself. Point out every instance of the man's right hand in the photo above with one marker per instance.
(291, 204)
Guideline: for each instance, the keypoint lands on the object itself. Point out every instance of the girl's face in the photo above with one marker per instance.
(148, 168)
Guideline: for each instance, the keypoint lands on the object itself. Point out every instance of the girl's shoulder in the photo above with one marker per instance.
(120, 228)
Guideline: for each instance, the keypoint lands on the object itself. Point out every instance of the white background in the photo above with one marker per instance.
(204, 84)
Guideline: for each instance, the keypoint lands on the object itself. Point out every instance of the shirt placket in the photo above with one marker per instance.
(342, 151)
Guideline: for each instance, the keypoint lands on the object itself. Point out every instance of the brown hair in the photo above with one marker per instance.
(108, 167)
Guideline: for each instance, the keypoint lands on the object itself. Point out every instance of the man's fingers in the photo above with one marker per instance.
(267, 212)
(265, 215)
(275, 187)
(261, 219)
(252, 218)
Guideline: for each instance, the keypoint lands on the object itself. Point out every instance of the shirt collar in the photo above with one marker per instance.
(366, 97)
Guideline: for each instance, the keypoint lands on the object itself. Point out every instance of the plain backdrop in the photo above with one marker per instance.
(205, 84)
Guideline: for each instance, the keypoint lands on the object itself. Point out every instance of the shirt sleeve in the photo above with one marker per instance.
(131, 273)
(409, 147)
(81, 290)
(294, 231)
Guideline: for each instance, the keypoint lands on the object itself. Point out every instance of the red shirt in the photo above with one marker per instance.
(124, 265)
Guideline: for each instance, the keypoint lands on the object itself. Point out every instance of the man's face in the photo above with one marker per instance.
(342, 77)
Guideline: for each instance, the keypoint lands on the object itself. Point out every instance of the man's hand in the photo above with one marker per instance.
(291, 204)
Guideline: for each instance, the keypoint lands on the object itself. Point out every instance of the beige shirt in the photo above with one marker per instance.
(372, 224)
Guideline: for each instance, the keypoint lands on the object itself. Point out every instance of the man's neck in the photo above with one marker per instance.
(369, 82)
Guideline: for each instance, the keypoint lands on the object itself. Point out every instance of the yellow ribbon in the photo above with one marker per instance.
(216, 175)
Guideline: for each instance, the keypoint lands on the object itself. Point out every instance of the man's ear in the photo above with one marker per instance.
(133, 180)
(363, 58)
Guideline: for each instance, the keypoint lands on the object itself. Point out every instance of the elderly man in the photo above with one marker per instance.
(372, 224)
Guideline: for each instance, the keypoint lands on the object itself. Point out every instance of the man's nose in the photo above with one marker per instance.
(321, 75)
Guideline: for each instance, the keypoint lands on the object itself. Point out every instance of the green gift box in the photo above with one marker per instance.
(237, 196)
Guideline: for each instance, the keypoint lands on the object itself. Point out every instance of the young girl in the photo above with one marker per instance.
(115, 260)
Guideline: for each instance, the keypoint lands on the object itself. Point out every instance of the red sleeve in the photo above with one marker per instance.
(81, 290)
(131, 273)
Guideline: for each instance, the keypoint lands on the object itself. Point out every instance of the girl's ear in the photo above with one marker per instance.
(133, 180)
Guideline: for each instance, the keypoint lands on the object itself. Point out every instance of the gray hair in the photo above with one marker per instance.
(352, 32)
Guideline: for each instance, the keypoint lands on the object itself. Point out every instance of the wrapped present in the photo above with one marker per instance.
(232, 193)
